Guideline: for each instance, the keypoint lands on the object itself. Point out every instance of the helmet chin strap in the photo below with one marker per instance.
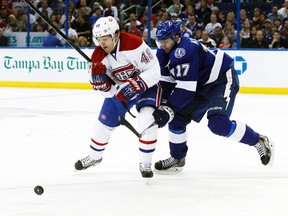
(116, 41)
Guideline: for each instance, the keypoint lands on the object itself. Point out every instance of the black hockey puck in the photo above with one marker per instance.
(39, 190)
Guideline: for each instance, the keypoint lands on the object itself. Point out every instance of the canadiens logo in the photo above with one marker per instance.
(125, 72)
(179, 53)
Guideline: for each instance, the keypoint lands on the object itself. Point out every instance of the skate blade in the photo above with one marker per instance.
(147, 180)
(170, 171)
(272, 148)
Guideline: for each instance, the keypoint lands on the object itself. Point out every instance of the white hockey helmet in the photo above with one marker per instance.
(105, 26)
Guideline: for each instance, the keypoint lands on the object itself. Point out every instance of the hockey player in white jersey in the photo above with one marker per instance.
(130, 63)
(196, 80)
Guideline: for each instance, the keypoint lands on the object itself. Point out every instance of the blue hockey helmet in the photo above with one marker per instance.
(168, 29)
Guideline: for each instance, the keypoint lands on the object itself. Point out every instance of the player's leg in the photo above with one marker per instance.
(219, 111)
(177, 144)
(147, 143)
(102, 130)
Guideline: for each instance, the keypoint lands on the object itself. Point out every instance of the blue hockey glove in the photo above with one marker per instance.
(130, 89)
(163, 115)
(99, 78)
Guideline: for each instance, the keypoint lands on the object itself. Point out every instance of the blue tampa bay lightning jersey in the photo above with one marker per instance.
(187, 67)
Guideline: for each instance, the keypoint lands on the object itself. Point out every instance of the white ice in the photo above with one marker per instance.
(43, 132)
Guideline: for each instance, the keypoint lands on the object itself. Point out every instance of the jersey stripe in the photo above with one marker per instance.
(186, 85)
(216, 67)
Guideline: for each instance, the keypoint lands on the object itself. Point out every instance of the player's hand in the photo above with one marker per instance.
(163, 115)
(98, 78)
(130, 89)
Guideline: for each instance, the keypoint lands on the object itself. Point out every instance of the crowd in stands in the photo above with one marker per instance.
(263, 24)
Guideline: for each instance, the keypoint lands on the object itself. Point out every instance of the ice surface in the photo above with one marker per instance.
(43, 132)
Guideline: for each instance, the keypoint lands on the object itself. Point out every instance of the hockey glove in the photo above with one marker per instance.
(130, 89)
(163, 115)
(99, 78)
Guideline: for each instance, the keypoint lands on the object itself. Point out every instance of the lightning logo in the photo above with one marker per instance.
(228, 87)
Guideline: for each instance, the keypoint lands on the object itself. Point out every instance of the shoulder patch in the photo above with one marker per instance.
(179, 53)
(98, 55)
(129, 41)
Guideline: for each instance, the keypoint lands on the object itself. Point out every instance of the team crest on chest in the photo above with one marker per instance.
(125, 72)
(179, 52)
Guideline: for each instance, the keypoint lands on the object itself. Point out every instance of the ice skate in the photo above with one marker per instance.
(86, 163)
(170, 164)
(146, 170)
(265, 148)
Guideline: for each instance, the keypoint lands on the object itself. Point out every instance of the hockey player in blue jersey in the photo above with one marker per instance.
(196, 80)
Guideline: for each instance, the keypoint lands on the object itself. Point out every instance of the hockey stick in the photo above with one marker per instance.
(127, 124)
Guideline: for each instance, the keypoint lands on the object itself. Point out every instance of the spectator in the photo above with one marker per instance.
(189, 11)
(41, 22)
(277, 24)
(278, 41)
(256, 21)
(274, 14)
(221, 18)
(12, 24)
(206, 40)
(110, 10)
(153, 30)
(133, 28)
(177, 10)
(171, 7)
(268, 34)
(3, 39)
(145, 39)
(263, 18)
(44, 7)
(51, 40)
(283, 10)
(231, 18)
(71, 14)
(284, 31)
(82, 42)
(215, 10)
(243, 16)
(198, 34)
(55, 19)
(4, 13)
(165, 16)
(85, 9)
(82, 27)
(246, 29)
(248, 42)
(140, 26)
(217, 36)
(260, 42)
(193, 25)
(203, 13)
(225, 43)
(231, 33)
(97, 13)
(71, 34)
(31, 17)
(210, 27)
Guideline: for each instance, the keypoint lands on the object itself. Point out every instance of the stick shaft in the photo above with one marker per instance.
(57, 30)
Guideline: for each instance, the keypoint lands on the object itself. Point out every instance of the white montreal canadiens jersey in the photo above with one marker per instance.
(132, 57)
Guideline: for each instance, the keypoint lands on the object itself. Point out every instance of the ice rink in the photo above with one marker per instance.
(43, 132)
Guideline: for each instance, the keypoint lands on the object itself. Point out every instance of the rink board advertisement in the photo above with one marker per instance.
(259, 71)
